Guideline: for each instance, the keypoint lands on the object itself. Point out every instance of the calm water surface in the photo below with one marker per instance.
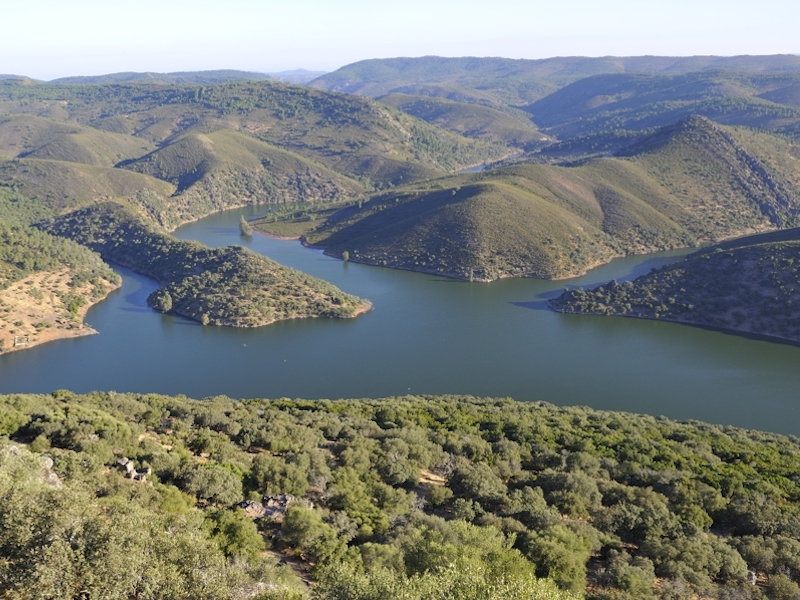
(425, 335)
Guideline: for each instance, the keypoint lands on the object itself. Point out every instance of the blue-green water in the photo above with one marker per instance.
(425, 335)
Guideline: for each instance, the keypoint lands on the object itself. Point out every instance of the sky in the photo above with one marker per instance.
(46, 39)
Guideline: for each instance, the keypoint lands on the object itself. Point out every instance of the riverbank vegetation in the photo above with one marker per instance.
(47, 283)
(413, 497)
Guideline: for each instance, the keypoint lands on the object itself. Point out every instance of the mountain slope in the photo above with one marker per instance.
(688, 183)
(470, 120)
(179, 77)
(224, 286)
(28, 136)
(605, 103)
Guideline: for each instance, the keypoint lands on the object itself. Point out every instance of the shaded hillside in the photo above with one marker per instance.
(688, 183)
(226, 286)
(509, 81)
(412, 498)
(748, 285)
(58, 185)
(179, 77)
(470, 120)
(606, 103)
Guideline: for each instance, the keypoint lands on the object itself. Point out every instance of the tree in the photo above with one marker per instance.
(244, 227)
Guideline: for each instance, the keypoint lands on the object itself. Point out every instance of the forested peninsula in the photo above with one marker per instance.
(226, 286)
(749, 285)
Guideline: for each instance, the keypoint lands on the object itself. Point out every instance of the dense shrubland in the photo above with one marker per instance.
(415, 497)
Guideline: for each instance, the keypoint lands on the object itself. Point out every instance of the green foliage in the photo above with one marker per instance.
(682, 184)
(511, 492)
(234, 532)
(640, 101)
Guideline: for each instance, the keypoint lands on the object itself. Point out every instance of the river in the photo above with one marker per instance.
(426, 335)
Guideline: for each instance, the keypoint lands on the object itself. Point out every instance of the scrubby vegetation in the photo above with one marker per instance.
(750, 285)
(225, 286)
(415, 497)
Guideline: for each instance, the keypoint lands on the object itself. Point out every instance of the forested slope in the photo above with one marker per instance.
(749, 285)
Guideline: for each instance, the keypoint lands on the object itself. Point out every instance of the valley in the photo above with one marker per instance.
(443, 239)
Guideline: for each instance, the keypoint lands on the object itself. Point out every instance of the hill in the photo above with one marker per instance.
(636, 102)
(470, 120)
(29, 136)
(180, 77)
(688, 183)
(213, 147)
(417, 497)
(299, 76)
(748, 285)
(226, 286)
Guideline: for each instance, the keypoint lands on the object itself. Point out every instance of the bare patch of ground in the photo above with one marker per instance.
(44, 307)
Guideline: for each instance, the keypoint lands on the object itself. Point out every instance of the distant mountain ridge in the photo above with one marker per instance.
(524, 80)
(178, 77)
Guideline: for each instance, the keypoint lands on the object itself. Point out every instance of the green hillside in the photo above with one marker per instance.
(58, 185)
(470, 120)
(224, 169)
(748, 285)
(606, 103)
(688, 183)
(413, 498)
(28, 136)
(226, 286)
(352, 135)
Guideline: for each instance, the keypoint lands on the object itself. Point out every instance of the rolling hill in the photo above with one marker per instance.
(199, 149)
(471, 120)
(688, 183)
(605, 103)
(222, 286)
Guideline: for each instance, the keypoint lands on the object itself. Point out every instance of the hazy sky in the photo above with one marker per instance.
(47, 39)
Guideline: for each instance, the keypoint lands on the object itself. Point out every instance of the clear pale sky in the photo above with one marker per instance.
(47, 38)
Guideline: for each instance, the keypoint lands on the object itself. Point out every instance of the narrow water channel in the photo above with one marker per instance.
(426, 335)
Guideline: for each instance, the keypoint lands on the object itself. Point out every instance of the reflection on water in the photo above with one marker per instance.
(425, 335)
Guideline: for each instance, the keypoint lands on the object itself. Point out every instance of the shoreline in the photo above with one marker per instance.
(726, 330)
(60, 323)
